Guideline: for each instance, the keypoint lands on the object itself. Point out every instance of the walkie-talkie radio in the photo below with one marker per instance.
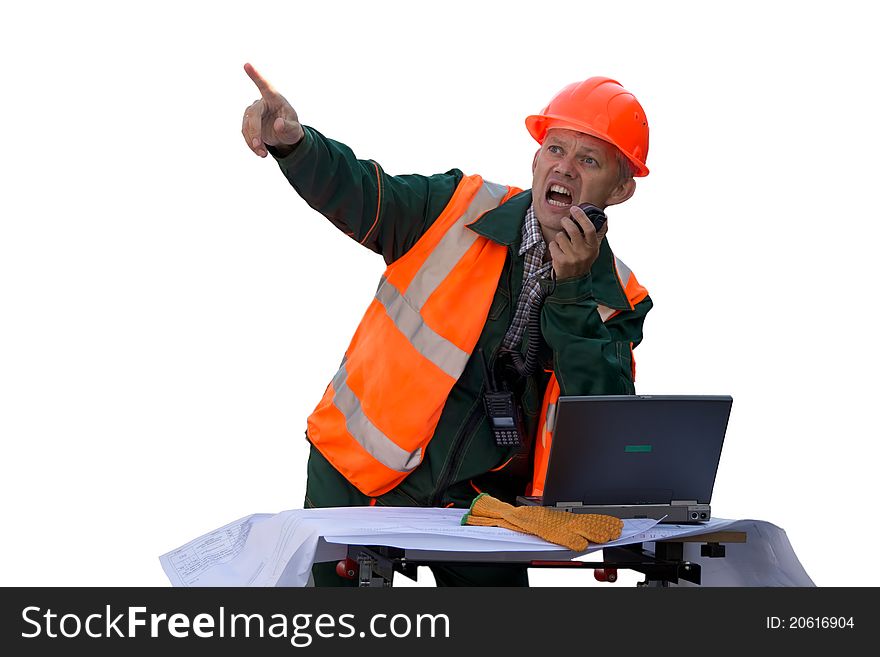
(504, 416)
(594, 214)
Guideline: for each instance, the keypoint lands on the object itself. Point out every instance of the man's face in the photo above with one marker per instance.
(573, 168)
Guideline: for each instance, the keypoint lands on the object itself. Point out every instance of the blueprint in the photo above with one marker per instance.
(280, 549)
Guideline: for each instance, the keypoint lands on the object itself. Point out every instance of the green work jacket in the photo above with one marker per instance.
(388, 214)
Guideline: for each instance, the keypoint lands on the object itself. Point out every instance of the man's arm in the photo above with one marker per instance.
(385, 213)
(591, 357)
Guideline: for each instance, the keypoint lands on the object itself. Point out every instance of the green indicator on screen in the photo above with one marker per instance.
(637, 448)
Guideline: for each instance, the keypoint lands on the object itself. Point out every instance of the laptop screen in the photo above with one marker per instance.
(636, 449)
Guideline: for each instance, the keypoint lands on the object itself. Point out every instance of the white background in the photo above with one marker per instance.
(172, 311)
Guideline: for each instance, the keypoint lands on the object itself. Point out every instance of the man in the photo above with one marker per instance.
(403, 422)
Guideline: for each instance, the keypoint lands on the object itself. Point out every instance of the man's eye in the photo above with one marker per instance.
(589, 160)
(554, 149)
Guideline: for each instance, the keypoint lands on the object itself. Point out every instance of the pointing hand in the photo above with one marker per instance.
(270, 120)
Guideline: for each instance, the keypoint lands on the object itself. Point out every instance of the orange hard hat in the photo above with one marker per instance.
(600, 107)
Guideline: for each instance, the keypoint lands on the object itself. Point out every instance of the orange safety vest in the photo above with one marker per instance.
(380, 411)
(547, 420)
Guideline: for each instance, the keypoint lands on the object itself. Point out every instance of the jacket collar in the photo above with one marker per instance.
(504, 226)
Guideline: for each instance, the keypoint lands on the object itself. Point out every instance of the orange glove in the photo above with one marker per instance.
(572, 530)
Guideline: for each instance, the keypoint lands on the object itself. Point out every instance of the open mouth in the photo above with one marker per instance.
(558, 196)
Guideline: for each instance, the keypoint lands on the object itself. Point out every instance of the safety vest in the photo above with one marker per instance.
(380, 410)
(547, 420)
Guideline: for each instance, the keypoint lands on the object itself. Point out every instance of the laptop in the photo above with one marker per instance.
(636, 456)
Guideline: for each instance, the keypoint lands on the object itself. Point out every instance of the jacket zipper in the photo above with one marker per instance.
(469, 426)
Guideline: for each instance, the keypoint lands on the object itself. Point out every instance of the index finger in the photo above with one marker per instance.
(262, 83)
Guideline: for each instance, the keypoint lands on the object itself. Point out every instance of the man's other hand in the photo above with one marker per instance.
(269, 120)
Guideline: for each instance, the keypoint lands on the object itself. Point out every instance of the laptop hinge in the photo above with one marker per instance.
(566, 505)
(684, 502)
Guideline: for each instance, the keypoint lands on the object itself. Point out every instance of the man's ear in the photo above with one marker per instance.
(535, 161)
(622, 192)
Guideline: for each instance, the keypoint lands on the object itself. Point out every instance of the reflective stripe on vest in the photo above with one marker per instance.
(635, 293)
(381, 409)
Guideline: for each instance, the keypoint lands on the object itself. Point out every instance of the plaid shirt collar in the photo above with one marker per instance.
(533, 238)
(531, 231)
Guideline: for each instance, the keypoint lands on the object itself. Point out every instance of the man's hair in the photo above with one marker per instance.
(625, 168)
